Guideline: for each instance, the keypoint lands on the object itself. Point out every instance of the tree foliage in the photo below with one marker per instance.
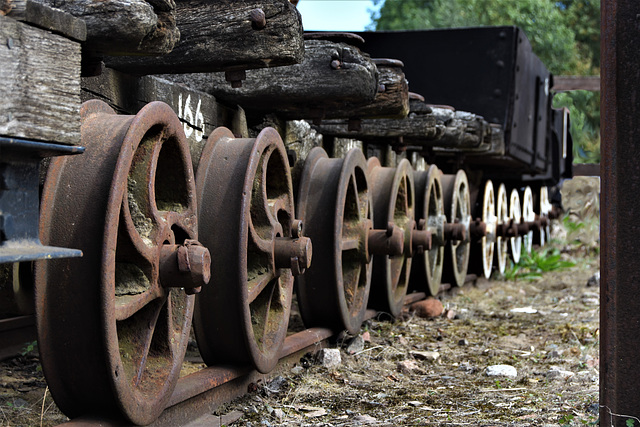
(565, 34)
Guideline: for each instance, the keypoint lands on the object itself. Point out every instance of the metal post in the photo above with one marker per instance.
(620, 230)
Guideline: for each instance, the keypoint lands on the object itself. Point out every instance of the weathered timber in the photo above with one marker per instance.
(45, 17)
(337, 37)
(461, 129)
(226, 35)
(418, 127)
(491, 146)
(426, 126)
(332, 79)
(392, 99)
(124, 27)
(564, 83)
(198, 111)
(40, 90)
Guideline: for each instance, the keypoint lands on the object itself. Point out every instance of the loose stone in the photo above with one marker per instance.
(329, 357)
(428, 308)
(502, 371)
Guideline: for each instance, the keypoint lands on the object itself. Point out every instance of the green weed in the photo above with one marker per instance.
(531, 266)
(29, 347)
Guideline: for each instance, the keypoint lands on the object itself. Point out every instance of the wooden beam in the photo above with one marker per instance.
(125, 27)
(426, 126)
(586, 169)
(226, 35)
(40, 90)
(392, 98)
(45, 17)
(566, 83)
(332, 79)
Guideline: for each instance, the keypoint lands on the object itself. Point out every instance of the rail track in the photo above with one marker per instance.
(208, 197)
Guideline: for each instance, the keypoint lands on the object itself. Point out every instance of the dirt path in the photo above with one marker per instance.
(415, 371)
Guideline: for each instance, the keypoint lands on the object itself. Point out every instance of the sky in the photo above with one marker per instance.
(335, 15)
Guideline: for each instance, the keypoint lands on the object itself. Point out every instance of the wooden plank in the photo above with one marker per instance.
(45, 17)
(419, 128)
(424, 127)
(565, 83)
(222, 35)
(586, 169)
(124, 27)
(40, 90)
(461, 129)
(332, 78)
(127, 94)
(392, 98)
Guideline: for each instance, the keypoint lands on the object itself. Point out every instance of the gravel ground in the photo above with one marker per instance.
(421, 371)
(418, 371)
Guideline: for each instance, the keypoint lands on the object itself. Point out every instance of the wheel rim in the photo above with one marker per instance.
(502, 243)
(457, 207)
(528, 215)
(427, 268)
(123, 202)
(393, 201)
(244, 188)
(335, 289)
(515, 215)
(487, 242)
(545, 209)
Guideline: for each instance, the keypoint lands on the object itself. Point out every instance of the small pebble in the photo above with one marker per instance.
(356, 345)
(527, 310)
(559, 374)
(426, 355)
(275, 385)
(502, 371)
(408, 367)
(466, 367)
(428, 308)
(329, 357)
(365, 419)
(463, 342)
(594, 280)
(414, 403)
(366, 336)
(278, 413)
(553, 354)
(297, 370)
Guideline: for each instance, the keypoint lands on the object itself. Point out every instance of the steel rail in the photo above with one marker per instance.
(200, 393)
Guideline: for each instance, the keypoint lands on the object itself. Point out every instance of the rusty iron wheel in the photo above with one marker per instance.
(544, 207)
(487, 242)
(246, 212)
(393, 202)
(457, 205)
(112, 327)
(502, 242)
(515, 215)
(529, 216)
(334, 203)
(426, 269)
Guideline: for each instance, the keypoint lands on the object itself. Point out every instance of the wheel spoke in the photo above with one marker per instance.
(257, 286)
(135, 342)
(350, 244)
(128, 305)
